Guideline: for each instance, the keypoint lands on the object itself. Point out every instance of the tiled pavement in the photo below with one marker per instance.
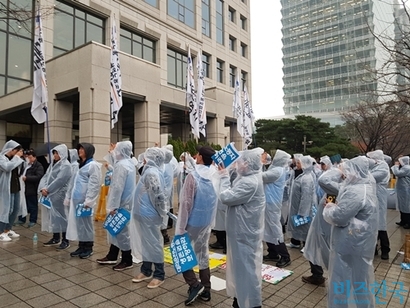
(43, 277)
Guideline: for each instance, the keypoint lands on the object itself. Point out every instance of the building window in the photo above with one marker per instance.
(232, 76)
(243, 23)
(220, 22)
(16, 48)
(176, 64)
(220, 71)
(152, 2)
(74, 27)
(244, 50)
(243, 1)
(183, 10)
(205, 64)
(232, 43)
(137, 45)
(231, 14)
(206, 18)
(244, 78)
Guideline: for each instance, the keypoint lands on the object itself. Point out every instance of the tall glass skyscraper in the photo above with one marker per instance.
(330, 53)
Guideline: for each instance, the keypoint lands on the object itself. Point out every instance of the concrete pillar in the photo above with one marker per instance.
(60, 122)
(3, 133)
(95, 125)
(215, 131)
(146, 125)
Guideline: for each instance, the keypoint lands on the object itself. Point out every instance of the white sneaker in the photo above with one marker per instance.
(291, 245)
(302, 250)
(4, 238)
(13, 234)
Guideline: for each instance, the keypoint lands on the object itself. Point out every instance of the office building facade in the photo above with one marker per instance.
(153, 39)
(330, 54)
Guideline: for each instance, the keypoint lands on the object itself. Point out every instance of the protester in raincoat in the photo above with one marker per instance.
(196, 215)
(401, 170)
(302, 198)
(121, 196)
(150, 208)
(245, 202)
(10, 160)
(353, 237)
(175, 172)
(186, 166)
(274, 180)
(317, 249)
(54, 185)
(381, 174)
(168, 171)
(84, 192)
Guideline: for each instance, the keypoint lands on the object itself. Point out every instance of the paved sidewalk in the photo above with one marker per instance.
(43, 277)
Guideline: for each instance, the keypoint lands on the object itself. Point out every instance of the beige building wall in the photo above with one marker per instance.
(86, 70)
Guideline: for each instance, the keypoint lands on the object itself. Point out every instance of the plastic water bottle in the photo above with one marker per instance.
(35, 239)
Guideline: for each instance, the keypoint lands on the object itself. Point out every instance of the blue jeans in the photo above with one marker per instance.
(14, 210)
(32, 209)
(159, 273)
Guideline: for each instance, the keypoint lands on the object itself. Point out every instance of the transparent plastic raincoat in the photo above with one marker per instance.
(302, 198)
(245, 202)
(56, 181)
(317, 248)
(121, 193)
(168, 170)
(354, 234)
(197, 210)
(149, 209)
(274, 180)
(85, 190)
(6, 167)
(381, 174)
(402, 184)
(74, 168)
(185, 167)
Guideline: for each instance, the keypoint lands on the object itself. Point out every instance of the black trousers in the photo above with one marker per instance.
(316, 270)
(221, 238)
(384, 241)
(281, 250)
(405, 218)
(86, 245)
(125, 255)
(296, 242)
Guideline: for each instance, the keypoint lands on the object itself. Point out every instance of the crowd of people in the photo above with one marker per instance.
(335, 213)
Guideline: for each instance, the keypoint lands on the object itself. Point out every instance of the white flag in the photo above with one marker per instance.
(247, 119)
(201, 94)
(115, 78)
(237, 106)
(40, 93)
(191, 96)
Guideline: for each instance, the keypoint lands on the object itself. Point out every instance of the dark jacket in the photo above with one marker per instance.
(33, 177)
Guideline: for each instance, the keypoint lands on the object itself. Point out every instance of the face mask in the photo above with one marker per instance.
(27, 160)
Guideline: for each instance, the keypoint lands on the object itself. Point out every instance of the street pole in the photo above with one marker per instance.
(304, 144)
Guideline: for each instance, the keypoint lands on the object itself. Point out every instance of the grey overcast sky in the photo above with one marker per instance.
(266, 57)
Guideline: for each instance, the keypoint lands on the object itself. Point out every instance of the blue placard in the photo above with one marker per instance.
(45, 201)
(115, 223)
(226, 156)
(183, 256)
(81, 211)
(300, 220)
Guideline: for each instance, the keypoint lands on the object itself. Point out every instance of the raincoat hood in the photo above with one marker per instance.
(168, 155)
(387, 159)
(10, 145)
(306, 162)
(154, 157)
(356, 170)
(249, 162)
(326, 160)
(62, 151)
(297, 156)
(73, 155)
(404, 160)
(376, 155)
(123, 150)
(281, 159)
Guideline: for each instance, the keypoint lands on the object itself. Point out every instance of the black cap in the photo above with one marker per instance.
(206, 152)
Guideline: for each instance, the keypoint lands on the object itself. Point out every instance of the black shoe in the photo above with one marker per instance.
(122, 266)
(400, 223)
(77, 252)
(235, 303)
(406, 226)
(216, 245)
(318, 281)
(268, 257)
(86, 254)
(224, 251)
(52, 242)
(384, 256)
(105, 260)
(376, 252)
(64, 245)
(283, 262)
(205, 296)
(194, 293)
